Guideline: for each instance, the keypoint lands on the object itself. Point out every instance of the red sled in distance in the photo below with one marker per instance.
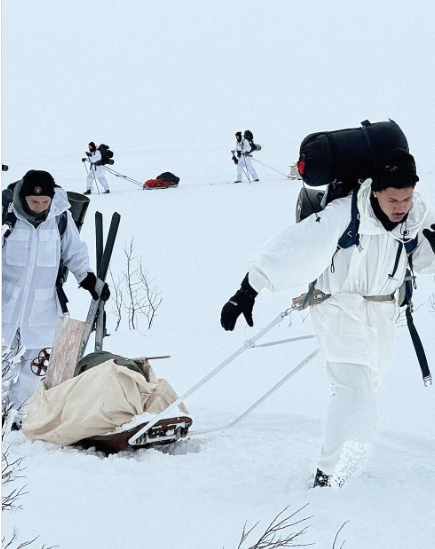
(165, 180)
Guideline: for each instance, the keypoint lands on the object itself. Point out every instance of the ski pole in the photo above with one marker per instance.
(248, 344)
(95, 179)
(246, 169)
(270, 167)
(116, 174)
(261, 399)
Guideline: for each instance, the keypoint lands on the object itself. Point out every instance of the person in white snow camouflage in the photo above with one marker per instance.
(355, 325)
(96, 170)
(32, 251)
(243, 151)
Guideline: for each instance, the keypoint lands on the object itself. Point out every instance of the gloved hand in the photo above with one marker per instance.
(88, 154)
(235, 160)
(430, 235)
(242, 302)
(83, 159)
(88, 283)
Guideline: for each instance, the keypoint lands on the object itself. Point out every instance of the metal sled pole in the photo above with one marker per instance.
(247, 345)
(116, 174)
(270, 168)
(260, 400)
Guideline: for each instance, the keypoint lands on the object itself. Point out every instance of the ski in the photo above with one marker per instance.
(102, 272)
(99, 324)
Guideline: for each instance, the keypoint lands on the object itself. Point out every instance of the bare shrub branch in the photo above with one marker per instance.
(118, 299)
(336, 535)
(141, 297)
(272, 538)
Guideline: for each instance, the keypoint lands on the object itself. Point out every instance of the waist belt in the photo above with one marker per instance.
(389, 297)
(314, 297)
(317, 296)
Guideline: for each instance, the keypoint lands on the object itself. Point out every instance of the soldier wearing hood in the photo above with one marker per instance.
(32, 251)
(355, 324)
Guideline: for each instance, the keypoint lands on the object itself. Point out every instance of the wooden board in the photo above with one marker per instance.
(65, 351)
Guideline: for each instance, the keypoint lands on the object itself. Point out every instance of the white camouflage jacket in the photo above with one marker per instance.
(31, 258)
(348, 327)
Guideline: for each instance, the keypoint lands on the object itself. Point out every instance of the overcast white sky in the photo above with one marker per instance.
(180, 73)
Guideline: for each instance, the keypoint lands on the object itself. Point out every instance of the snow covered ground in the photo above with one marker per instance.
(170, 99)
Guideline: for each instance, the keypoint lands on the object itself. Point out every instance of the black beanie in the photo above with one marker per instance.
(395, 168)
(92, 146)
(37, 183)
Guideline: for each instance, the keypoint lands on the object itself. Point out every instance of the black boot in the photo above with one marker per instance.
(321, 479)
(88, 191)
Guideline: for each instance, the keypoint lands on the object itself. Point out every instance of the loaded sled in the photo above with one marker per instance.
(108, 400)
(165, 180)
(100, 400)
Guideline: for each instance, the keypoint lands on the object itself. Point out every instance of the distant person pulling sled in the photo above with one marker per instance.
(39, 233)
(96, 170)
(353, 296)
(242, 153)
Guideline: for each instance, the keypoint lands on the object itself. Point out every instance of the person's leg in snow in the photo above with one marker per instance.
(251, 168)
(27, 381)
(351, 421)
(102, 179)
(239, 170)
(89, 182)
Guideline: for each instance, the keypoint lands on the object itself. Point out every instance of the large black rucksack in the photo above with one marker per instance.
(342, 159)
(250, 137)
(106, 155)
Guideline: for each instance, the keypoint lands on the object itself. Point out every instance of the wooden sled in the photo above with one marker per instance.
(166, 431)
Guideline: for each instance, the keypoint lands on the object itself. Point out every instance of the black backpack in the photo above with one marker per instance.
(341, 159)
(106, 155)
(250, 137)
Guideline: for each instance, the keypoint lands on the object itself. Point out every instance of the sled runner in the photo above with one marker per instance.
(165, 180)
(166, 431)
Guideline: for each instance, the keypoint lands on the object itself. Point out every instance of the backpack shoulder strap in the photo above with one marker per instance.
(62, 221)
(350, 237)
(11, 219)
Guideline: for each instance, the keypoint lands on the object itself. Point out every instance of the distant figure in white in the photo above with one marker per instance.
(243, 151)
(96, 170)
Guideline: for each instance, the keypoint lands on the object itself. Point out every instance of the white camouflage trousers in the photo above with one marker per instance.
(27, 382)
(351, 419)
(245, 164)
(93, 176)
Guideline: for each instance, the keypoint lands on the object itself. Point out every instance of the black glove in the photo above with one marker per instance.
(88, 283)
(83, 159)
(430, 235)
(5, 168)
(235, 160)
(241, 302)
(88, 154)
